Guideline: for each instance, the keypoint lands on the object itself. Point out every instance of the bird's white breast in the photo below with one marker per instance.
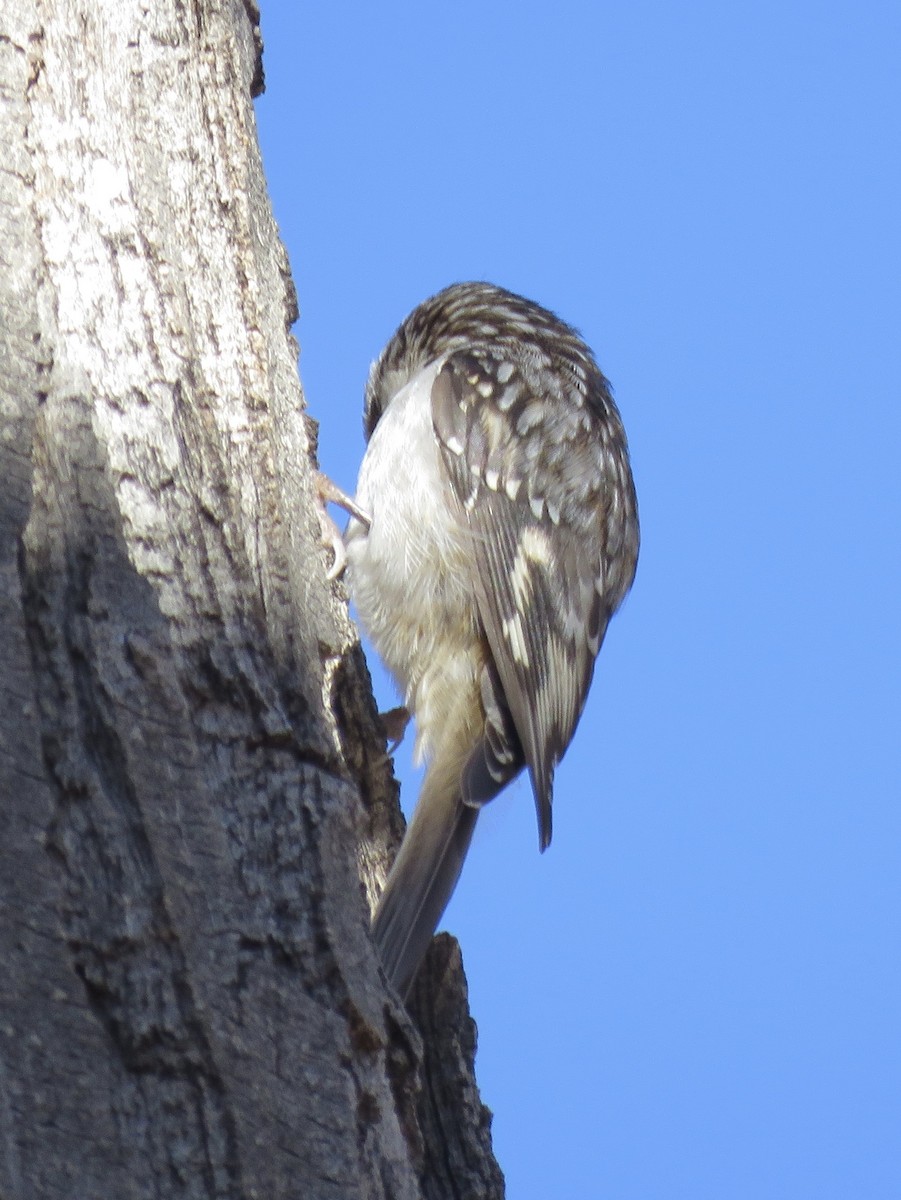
(409, 575)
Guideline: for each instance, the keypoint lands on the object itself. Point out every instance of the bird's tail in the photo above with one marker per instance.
(425, 872)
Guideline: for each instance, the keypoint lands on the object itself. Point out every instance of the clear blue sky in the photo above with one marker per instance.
(696, 992)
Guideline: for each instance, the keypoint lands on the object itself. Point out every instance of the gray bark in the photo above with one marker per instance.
(197, 808)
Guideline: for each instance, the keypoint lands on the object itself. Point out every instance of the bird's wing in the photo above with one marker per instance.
(528, 466)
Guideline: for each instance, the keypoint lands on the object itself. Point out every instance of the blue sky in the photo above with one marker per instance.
(696, 992)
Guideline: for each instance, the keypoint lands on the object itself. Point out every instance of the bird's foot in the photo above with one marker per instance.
(328, 492)
(394, 723)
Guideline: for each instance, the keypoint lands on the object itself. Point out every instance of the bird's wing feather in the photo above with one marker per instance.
(534, 499)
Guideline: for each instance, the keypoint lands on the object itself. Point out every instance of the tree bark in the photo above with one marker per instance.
(196, 801)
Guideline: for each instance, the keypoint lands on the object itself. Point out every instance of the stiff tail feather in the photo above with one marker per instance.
(423, 877)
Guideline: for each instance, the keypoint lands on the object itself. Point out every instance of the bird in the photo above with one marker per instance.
(494, 533)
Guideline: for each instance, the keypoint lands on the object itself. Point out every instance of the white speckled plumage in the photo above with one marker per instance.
(503, 535)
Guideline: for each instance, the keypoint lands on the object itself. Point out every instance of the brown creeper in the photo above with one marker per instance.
(502, 536)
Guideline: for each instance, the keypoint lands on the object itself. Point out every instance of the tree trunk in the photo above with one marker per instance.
(196, 800)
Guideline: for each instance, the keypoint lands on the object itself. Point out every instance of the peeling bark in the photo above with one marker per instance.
(197, 804)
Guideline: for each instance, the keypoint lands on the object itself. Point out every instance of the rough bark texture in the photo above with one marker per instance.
(195, 799)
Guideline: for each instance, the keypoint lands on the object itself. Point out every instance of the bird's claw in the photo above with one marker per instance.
(328, 492)
(394, 724)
